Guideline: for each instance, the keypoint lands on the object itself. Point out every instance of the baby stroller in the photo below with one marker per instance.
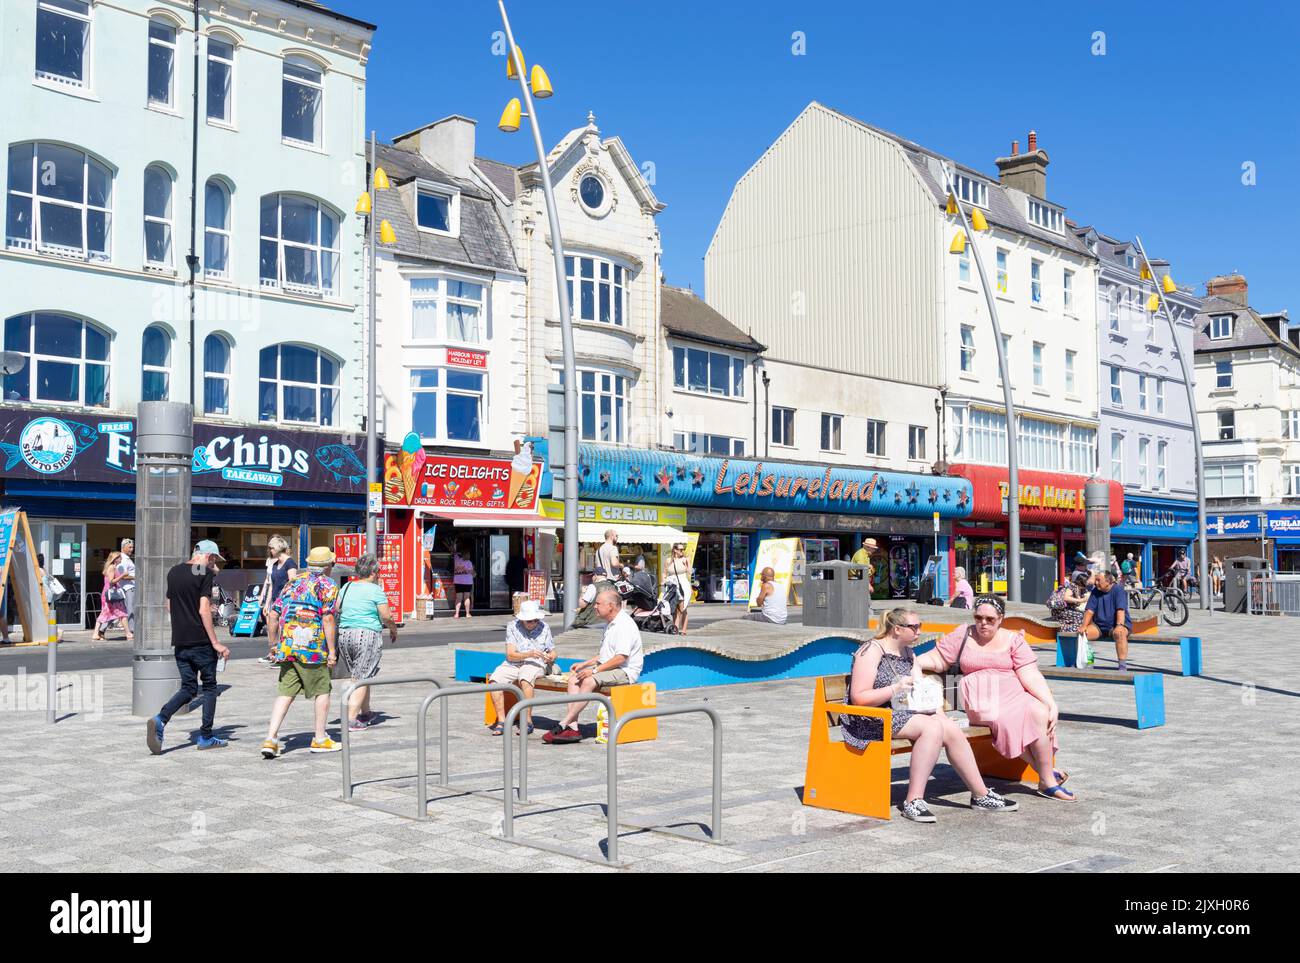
(649, 613)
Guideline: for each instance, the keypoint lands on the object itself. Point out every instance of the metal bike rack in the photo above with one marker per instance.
(421, 736)
(347, 743)
(611, 799)
(508, 777)
(715, 828)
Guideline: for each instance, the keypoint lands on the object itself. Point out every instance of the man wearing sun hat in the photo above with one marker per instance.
(304, 636)
(530, 650)
(863, 557)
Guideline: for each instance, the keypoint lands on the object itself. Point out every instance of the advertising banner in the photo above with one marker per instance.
(779, 554)
(79, 446)
(414, 478)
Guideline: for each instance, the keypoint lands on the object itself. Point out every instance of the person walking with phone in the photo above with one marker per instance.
(189, 602)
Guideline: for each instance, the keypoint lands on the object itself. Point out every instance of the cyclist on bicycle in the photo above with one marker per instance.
(1180, 570)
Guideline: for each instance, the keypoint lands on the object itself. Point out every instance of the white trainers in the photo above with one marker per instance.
(917, 811)
(993, 803)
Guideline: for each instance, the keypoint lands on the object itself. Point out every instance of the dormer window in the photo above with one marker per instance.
(971, 191)
(1048, 218)
(1220, 327)
(437, 209)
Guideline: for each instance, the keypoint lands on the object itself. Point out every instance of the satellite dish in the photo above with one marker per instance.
(11, 362)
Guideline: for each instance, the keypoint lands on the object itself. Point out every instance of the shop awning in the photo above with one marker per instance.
(630, 534)
(461, 519)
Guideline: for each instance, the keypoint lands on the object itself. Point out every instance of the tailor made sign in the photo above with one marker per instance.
(75, 445)
(630, 475)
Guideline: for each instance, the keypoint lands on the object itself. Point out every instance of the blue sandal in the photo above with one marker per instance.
(1057, 792)
(1061, 777)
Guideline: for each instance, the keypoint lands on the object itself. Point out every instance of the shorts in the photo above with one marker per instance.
(528, 672)
(303, 678)
(462, 589)
(612, 678)
(361, 650)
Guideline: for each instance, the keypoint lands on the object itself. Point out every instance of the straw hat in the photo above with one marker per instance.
(320, 556)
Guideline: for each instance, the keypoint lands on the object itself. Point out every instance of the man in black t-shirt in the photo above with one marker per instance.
(189, 601)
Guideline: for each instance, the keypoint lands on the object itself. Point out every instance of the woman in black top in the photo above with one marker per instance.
(280, 567)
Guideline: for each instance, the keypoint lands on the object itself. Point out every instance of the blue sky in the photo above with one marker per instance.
(1149, 138)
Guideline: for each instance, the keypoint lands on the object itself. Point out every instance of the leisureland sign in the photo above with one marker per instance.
(676, 478)
(76, 446)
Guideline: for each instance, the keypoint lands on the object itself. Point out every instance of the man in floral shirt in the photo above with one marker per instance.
(304, 635)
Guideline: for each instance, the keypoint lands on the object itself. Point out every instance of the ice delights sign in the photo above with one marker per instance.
(77, 446)
(414, 478)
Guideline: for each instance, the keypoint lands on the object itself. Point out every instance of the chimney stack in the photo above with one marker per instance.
(447, 144)
(1025, 172)
(1230, 287)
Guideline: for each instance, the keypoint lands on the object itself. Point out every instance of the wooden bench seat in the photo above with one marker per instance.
(1189, 646)
(850, 780)
(1148, 688)
(625, 698)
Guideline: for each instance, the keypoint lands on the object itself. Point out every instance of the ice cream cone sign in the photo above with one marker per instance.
(411, 460)
(523, 477)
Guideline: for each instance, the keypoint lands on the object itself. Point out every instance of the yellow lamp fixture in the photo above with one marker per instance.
(952, 205)
(510, 63)
(977, 220)
(1153, 302)
(1145, 273)
(363, 203)
(510, 116)
(386, 233)
(1168, 284)
(382, 183)
(540, 82)
(958, 245)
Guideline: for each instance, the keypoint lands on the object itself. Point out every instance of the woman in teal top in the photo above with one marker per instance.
(363, 613)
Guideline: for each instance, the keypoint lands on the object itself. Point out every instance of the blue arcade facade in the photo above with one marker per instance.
(735, 503)
(1153, 530)
(1272, 534)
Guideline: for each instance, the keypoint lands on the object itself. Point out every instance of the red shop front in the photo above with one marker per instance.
(483, 510)
(1051, 521)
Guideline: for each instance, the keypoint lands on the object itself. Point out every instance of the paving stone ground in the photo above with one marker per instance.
(1208, 791)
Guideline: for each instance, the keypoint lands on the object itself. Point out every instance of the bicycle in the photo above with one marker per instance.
(1170, 601)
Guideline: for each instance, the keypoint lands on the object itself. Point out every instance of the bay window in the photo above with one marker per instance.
(63, 42)
(59, 202)
(1231, 480)
(299, 245)
(603, 405)
(66, 360)
(1083, 450)
(298, 385)
(601, 287)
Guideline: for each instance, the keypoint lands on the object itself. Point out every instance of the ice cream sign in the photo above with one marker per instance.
(414, 478)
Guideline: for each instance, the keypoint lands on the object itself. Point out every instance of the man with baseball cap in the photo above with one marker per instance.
(530, 650)
(305, 636)
(189, 601)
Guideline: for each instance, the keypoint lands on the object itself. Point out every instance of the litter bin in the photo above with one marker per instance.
(1038, 577)
(1236, 581)
(835, 600)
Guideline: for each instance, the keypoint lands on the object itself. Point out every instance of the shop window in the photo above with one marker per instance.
(66, 360)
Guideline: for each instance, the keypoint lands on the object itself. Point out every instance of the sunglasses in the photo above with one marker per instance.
(914, 626)
(987, 618)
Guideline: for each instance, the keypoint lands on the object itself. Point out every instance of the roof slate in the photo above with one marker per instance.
(685, 315)
(1248, 330)
(501, 175)
(483, 242)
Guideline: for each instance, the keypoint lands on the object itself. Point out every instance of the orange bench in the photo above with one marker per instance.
(849, 780)
(625, 698)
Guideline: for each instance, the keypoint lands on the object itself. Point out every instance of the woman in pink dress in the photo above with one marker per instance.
(112, 610)
(1002, 688)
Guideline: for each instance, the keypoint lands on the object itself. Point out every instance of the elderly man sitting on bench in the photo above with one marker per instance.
(1107, 614)
(619, 663)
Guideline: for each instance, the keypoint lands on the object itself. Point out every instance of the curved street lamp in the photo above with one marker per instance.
(539, 85)
(977, 222)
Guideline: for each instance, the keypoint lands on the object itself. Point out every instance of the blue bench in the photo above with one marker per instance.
(1067, 647)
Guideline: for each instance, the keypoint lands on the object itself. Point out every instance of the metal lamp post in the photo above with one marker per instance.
(566, 339)
(377, 181)
(1203, 549)
(1013, 474)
